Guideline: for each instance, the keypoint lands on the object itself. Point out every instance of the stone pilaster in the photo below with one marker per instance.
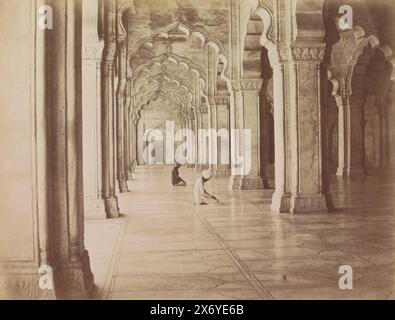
(299, 163)
(203, 145)
(351, 135)
(91, 76)
(107, 90)
(342, 116)
(127, 136)
(251, 178)
(133, 145)
(191, 163)
(70, 260)
(120, 113)
(222, 169)
(356, 137)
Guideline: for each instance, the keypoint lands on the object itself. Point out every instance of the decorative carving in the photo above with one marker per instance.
(123, 5)
(222, 171)
(247, 183)
(24, 287)
(307, 204)
(222, 100)
(178, 16)
(313, 54)
(182, 27)
(251, 84)
(203, 109)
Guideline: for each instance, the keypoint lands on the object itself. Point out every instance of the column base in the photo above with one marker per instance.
(300, 204)
(353, 172)
(21, 283)
(123, 186)
(111, 206)
(234, 182)
(129, 175)
(94, 209)
(251, 183)
(281, 203)
(75, 280)
(191, 166)
(246, 183)
(306, 204)
(340, 172)
(222, 171)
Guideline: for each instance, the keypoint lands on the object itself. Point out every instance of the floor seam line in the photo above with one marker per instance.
(263, 292)
(109, 283)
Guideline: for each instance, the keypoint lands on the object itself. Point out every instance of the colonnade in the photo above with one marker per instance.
(83, 103)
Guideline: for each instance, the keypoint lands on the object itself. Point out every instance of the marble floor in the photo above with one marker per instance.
(163, 247)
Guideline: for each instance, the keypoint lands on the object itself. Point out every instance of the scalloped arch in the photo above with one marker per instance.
(371, 41)
(121, 30)
(261, 10)
(200, 33)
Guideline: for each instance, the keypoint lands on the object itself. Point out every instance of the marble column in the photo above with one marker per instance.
(133, 144)
(265, 134)
(120, 113)
(351, 135)
(69, 258)
(127, 135)
(251, 178)
(223, 130)
(191, 153)
(91, 73)
(107, 84)
(236, 117)
(342, 116)
(212, 153)
(197, 147)
(281, 196)
(356, 137)
(140, 143)
(298, 125)
(391, 138)
(43, 234)
(204, 142)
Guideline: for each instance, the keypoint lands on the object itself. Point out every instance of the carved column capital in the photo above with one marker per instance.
(203, 109)
(222, 100)
(211, 100)
(308, 53)
(235, 85)
(251, 84)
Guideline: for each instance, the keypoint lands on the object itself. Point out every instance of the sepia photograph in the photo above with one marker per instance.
(197, 150)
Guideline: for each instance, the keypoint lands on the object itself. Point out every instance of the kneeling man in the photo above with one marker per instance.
(199, 192)
(176, 180)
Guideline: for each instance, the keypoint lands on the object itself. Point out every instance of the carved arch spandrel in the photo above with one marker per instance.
(183, 27)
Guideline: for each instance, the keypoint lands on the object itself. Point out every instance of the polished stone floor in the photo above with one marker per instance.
(163, 247)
